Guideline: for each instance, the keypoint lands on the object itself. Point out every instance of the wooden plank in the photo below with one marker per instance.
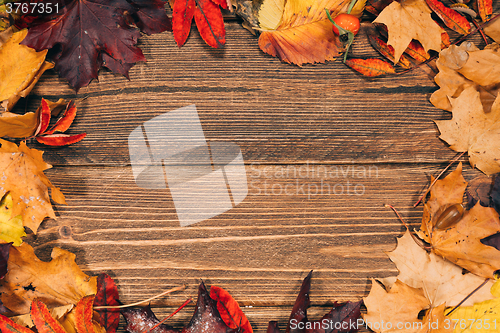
(259, 250)
(276, 113)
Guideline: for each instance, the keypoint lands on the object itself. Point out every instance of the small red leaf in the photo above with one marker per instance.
(229, 310)
(83, 315)
(60, 139)
(485, 9)
(182, 17)
(65, 122)
(371, 67)
(43, 320)
(451, 18)
(107, 294)
(8, 326)
(44, 118)
(210, 23)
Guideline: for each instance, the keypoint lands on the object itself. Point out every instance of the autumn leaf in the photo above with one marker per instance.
(92, 33)
(107, 295)
(43, 320)
(305, 34)
(11, 227)
(407, 20)
(58, 282)
(481, 317)
(474, 131)
(485, 9)
(208, 18)
(20, 69)
(81, 318)
(270, 14)
(451, 18)
(466, 66)
(229, 310)
(388, 52)
(142, 320)
(23, 177)
(4, 258)
(371, 67)
(399, 304)
(461, 243)
(8, 325)
(342, 317)
(441, 281)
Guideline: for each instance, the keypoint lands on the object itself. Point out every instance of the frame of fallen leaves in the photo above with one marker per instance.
(431, 290)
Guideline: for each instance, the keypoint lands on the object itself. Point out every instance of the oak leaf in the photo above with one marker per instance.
(23, 177)
(20, 69)
(92, 33)
(474, 131)
(441, 281)
(305, 34)
(407, 20)
(58, 282)
(11, 227)
(461, 243)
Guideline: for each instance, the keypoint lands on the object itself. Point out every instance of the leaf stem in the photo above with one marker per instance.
(169, 316)
(418, 241)
(137, 303)
(470, 294)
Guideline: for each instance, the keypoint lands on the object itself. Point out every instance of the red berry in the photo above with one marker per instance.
(346, 22)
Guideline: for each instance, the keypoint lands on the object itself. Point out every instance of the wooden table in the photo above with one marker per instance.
(281, 116)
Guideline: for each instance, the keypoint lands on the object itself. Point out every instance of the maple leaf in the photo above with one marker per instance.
(92, 33)
(441, 281)
(11, 227)
(20, 69)
(208, 18)
(58, 282)
(305, 34)
(23, 177)
(343, 317)
(461, 243)
(407, 20)
(107, 295)
(474, 131)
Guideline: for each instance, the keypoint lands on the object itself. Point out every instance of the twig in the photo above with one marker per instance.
(170, 316)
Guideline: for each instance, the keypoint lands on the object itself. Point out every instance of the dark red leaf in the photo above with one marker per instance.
(4, 258)
(60, 139)
(107, 295)
(493, 240)
(206, 317)
(371, 67)
(229, 310)
(142, 320)
(182, 18)
(210, 23)
(299, 310)
(150, 16)
(273, 327)
(222, 3)
(451, 18)
(85, 29)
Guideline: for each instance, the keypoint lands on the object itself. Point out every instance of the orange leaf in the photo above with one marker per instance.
(416, 51)
(183, 12)
(43, 320)
(67, 119)
(371, 67)
(44, 118)
(210, 23)
(7, 325)
(388, 51)
(83, 314)
(485, 9)
(60, 139)
(445, 40)
(451, 18)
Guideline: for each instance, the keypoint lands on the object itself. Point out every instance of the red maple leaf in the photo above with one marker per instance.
(95, 33)
(208, 18)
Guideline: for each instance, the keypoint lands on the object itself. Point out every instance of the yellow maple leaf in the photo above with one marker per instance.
(407, 20)
(20, 69)
(11, 228)
(22, 175)
(58, 282)
(482, 317)
(305, 34)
